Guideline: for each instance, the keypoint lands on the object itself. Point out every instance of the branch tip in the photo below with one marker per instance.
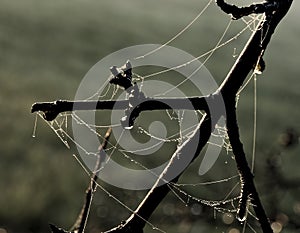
(122, 76)
(256, 8)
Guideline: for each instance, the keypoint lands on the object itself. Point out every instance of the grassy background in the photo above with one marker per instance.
(46, 47)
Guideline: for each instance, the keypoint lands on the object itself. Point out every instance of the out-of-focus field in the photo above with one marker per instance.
(46, 47)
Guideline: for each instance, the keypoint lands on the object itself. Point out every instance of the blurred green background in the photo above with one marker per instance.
(46, 47)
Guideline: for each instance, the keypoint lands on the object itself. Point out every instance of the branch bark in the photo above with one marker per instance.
(251, 55)
(274, 11)
(248, 59)
(136, 222)
(52, 109)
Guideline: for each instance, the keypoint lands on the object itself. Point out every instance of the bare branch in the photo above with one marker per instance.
(136, 103)
(81, 221)
(239, 12)
(275, 10)
(252, 53)
(136, 222)
(248, 189)
(52, 109)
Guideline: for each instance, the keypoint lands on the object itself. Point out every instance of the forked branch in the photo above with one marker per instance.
(274, 11)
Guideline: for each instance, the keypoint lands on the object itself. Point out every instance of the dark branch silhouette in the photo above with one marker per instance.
(274, 11)
(238, 12)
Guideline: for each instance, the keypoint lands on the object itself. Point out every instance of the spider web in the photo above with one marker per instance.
(189, 194)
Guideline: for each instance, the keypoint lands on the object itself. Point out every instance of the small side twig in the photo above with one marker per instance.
(81, 221)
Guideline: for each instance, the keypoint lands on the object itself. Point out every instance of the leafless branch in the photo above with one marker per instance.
(256, 8)
(81, 221)
(274, 11)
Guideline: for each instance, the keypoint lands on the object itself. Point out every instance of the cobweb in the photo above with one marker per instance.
(195, 199)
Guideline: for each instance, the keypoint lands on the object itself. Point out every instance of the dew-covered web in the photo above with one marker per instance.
(210, 197)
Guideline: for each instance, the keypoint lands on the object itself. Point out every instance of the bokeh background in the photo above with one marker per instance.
(46, 47)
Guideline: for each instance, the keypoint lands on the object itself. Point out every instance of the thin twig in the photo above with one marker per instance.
(81, 221)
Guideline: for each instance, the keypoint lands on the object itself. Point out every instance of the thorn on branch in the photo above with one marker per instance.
(257, 8)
